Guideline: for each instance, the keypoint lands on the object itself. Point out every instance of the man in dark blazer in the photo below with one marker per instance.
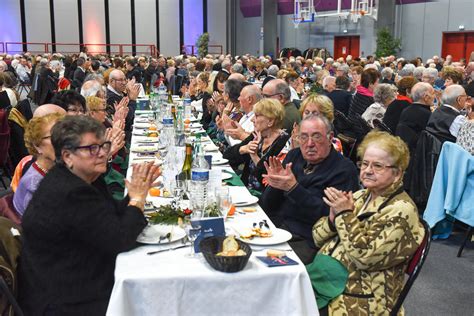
(79, 74)
(117, 89)
(414, 118)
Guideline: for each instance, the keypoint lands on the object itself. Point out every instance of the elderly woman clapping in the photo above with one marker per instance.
(73, 229)
(373, 233)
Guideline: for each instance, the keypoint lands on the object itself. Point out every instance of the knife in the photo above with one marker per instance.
(167, 249)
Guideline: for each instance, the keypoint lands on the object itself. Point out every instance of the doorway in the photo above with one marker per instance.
(346, 45)
(458, 44)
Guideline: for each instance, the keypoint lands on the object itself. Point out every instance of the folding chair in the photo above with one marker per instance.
(414, 267)
(468, 237)
(381, 126)
(10, 247)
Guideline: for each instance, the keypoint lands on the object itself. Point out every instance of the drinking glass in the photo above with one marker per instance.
(193, 230)
(224, 201)
(178, 188)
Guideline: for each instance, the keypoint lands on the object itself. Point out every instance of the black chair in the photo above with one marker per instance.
(414, 267)
(10, 247)
(468, 237)
(381, 126)
(5, 290)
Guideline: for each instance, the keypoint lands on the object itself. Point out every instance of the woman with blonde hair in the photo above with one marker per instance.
(316, 104)
(267, 140)
(370, 235)
(38, 143)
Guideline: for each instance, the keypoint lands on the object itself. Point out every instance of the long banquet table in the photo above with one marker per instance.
(168, 283)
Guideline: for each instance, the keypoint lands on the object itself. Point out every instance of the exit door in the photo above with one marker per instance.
(346, 45)
(458, 44)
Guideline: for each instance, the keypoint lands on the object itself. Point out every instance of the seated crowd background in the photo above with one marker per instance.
(334, 150)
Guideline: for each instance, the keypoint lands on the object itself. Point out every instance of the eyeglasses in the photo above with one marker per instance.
(304, 138)
(94, 149)
(376, 166)
(316, 113)
(122, 79)
(270, 95)
(99, 110)
(75, 110)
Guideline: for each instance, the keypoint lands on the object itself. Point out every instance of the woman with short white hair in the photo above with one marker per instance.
(384, 94)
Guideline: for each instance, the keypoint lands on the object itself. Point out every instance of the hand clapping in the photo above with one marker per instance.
(278, 176)
(338, 201)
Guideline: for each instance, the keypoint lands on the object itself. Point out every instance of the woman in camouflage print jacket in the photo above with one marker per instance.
(374, 232)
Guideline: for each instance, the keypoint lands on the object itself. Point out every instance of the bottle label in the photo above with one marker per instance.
(167, 121)
(198, 175)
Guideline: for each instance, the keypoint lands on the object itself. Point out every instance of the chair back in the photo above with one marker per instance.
(381, 126)
(7, 209)
(4, 136)
(10, 247)
(414, 267)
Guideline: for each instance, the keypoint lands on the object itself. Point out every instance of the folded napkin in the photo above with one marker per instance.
(234, 181)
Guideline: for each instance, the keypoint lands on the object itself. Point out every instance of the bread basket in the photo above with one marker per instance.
(213, 245)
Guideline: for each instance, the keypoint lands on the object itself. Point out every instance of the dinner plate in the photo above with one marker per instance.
(210, 147)
(219, 161)
(279, 236)
(245, 200)
(150, 140)
(195, 125)
(225, 175)
(144, 149)
(141, 125)
(151, 234)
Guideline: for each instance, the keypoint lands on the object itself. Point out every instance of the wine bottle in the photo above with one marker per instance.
(188, 162)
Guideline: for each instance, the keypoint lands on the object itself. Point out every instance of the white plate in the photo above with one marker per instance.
(244, 201)
(219, 161)
(151, 234)
(210, 147)
(279, 236)
(225, 175)
(195, 125)
(144, 149)
(148, 140)
(141, 125)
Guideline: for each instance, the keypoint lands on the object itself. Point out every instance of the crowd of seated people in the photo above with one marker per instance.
(292, 128)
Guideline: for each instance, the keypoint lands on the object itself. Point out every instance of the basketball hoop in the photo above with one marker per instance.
(356, 15)
(297, 21)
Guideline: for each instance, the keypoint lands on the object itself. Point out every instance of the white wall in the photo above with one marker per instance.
(169, 27)
(145, 22)
(66, 25)
(421, 26)
(248, 34)
(93, 24)
(120, 22)
(216, 23)
(38, 23)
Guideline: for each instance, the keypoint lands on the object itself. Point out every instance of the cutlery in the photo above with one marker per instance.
(167, 249)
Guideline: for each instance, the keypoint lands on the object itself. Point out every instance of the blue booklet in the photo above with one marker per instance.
(210, 226)
(277, 261)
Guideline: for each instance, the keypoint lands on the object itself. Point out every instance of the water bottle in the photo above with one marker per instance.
(162, 93)
(179, 127)
(168, 125)
(187, 106)
(199, 179)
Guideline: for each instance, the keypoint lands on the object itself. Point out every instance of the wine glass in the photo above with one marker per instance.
(193, 230)
(178, 191)
(224, 201)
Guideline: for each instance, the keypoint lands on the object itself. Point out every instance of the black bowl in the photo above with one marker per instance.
(213, 245)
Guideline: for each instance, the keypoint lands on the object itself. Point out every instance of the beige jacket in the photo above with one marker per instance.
(375, 245)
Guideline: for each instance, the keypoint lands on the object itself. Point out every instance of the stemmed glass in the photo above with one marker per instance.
(224, 201)
(178, 191)
(193, 230)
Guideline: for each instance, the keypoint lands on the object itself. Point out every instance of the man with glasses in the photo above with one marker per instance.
(447, 119)
(293, 197)
(279, 89)
(117, 89)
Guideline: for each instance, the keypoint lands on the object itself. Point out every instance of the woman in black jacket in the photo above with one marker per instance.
(267, 140)
(73, 229)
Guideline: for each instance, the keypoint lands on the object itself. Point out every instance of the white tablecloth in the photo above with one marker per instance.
(169, 283)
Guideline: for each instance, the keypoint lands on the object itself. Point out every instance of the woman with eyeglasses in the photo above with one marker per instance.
(316, 104)
(73, 229)
(267, 140)
(373, 232)
(38, 143)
